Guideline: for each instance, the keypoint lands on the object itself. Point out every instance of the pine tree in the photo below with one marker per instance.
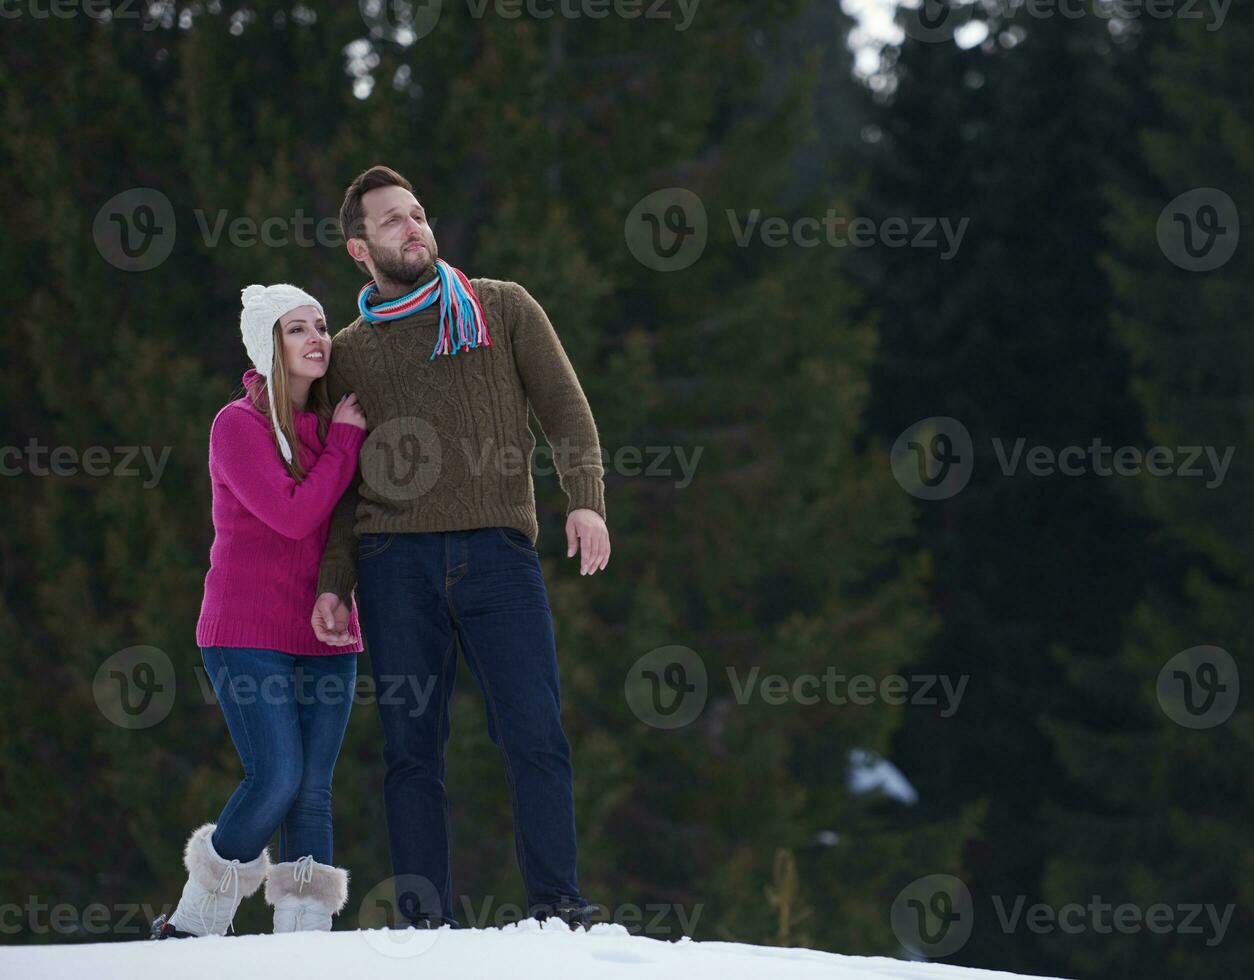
(1161, 812)
(1009, 336)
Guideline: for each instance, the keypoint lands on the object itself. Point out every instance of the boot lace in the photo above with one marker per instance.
(230, 879)
(303, 874)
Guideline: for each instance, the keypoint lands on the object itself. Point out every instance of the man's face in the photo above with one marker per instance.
(399, 244)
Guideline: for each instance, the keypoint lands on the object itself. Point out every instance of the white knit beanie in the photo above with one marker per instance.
(263, 305)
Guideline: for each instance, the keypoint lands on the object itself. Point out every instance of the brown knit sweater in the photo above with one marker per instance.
(449, 446)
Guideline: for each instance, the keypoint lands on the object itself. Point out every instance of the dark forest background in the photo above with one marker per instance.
(1078, 307)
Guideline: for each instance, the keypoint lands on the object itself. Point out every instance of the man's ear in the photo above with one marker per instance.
(357, 249)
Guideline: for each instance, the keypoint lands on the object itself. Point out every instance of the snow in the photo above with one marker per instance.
(526, 951)
(870, 772)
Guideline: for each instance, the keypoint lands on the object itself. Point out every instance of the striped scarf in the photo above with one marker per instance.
(462, 323)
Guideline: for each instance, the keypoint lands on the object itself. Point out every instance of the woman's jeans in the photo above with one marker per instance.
(287, 716)
(420, 597)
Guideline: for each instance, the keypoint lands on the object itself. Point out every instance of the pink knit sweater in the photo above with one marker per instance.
(270, 531)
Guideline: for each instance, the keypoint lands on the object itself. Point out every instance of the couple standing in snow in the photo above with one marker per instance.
(431, 521)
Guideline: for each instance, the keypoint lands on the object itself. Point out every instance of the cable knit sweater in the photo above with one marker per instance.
(270, 530)
(449, 446)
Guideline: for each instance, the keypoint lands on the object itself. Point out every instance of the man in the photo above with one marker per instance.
(438, 533)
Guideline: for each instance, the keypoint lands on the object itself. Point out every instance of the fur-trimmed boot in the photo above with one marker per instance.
(305, 894)
(214, 889)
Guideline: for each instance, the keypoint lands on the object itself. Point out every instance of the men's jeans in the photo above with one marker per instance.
(287, 715)
(416, 594)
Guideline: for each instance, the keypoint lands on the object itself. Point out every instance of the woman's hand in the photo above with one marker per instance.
(349, 411)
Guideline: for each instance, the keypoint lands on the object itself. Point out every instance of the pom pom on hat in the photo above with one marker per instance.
(262, 307)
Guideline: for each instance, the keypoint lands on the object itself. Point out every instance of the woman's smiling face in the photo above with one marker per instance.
(306, 342)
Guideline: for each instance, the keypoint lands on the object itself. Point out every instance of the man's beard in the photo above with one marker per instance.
(393, 264)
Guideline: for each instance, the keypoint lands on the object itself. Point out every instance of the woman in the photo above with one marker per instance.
(285, 694)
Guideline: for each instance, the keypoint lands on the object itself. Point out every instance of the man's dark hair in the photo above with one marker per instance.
(352, 214)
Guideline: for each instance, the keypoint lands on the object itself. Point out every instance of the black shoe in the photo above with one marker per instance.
(425, 921)
(575, 916)
(162, 928)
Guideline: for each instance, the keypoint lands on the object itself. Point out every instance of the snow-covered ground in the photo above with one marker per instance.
(516, 952)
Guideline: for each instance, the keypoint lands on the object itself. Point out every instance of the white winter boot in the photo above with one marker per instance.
(305, 894)
(215, 886)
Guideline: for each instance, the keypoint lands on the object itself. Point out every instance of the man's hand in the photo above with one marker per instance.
(585, 527)
(330, 620)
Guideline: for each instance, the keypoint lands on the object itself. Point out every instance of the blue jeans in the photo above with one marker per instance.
(421, 597)
(287, 716)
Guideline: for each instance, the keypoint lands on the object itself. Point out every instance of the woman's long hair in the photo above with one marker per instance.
(319, 403)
